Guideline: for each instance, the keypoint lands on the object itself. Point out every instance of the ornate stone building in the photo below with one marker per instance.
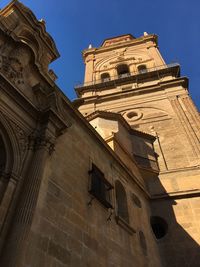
(115, 186)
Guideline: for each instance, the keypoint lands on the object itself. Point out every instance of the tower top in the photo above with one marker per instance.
(119, 57)
(117, 40)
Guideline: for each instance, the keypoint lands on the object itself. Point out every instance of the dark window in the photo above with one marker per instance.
(159, 226)
(122, 208)
(100, 187)
(136, 201)
(143, 243)
(105, 77)
(142, 69)
(123, 71)
(146, 162)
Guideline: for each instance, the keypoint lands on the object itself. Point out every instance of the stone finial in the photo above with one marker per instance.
(43, 21)
(145, 34)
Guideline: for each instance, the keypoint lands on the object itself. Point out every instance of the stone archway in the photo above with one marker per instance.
(3, 156)
(9, 172)
(3, 161)
(6, 155)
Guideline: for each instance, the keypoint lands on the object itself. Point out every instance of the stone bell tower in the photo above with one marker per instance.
(128, 76)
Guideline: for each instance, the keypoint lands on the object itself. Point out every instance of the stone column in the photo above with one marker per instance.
(192, 113)
(8, 187)
(89, 68)
(11, 195)
(191, 135)
(15, 245)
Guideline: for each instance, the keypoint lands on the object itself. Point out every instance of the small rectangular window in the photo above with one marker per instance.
(100, 187)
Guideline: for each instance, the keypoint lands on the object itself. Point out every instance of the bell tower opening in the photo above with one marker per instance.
(123, 70)
(105, 77)
(142, 69)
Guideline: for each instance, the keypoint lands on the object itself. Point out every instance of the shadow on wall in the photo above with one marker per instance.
(173, 220)
(176, 245)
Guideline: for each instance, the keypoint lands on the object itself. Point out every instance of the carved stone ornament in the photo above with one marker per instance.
(39, 140)
(12, 69)
(120, 52)
(22, 138)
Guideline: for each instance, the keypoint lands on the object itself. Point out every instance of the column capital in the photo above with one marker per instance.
(39, 140)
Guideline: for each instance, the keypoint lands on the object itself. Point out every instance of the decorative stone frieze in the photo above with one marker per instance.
(12, 69)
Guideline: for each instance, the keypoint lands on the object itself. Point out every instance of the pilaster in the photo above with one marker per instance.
(188, 129)
(42, 147)
(192, 114)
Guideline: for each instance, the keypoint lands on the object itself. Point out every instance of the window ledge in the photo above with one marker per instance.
(121, 222)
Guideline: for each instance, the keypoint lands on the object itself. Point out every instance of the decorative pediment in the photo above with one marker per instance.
(41, 28)
(21, 24)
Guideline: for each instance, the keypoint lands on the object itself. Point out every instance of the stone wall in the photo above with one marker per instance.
(67, 231)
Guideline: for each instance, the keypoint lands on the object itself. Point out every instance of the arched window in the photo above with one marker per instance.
(123, 71)
(142, 69)
(105, 77)
(122, 208)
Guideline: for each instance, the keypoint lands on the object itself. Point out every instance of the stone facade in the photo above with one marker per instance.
(128, 76)
(115, 186)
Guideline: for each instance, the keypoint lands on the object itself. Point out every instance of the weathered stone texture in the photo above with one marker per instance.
(139, 142)
(67, 225)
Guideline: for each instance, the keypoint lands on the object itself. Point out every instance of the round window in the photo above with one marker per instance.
(159, 226)
(132, 114)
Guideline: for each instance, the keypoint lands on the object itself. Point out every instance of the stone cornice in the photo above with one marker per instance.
(161, 86)
(176, 195)
(18, 22)
(118, 117)
(117, 39)
(39, 26)
(172, 70)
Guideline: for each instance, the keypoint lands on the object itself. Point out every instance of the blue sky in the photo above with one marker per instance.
(75, 24)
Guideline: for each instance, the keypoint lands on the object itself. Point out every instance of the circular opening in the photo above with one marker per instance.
(159, 226)
(132, 114)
